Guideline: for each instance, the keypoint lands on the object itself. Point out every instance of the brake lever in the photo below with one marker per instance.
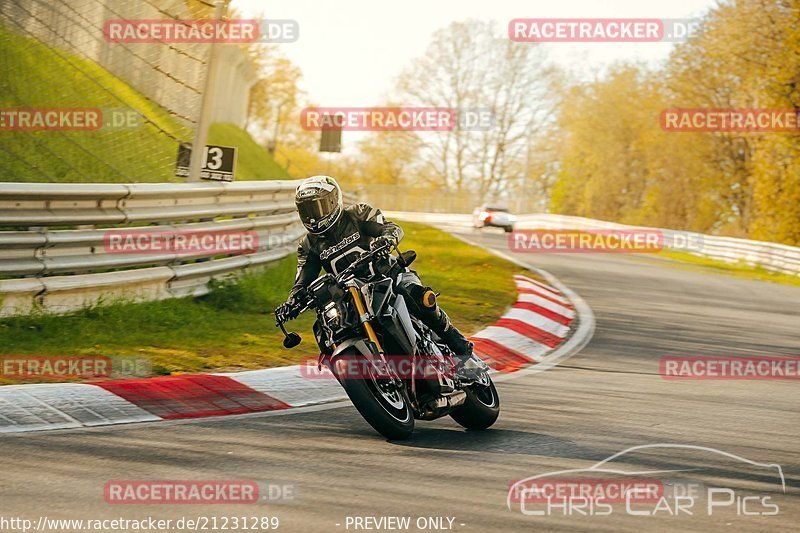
(301, 309)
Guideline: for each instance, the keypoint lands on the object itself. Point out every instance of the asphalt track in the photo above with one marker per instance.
(605, 399)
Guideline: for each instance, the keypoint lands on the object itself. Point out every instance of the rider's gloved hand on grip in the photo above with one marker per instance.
(379, 242)
(286, 311)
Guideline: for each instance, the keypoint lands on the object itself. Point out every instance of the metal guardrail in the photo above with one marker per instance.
(61, 270)
(771, 256)
(768, 255)
(52, 239)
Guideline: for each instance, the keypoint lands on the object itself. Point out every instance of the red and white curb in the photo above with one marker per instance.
(530, 333)
(537, 323)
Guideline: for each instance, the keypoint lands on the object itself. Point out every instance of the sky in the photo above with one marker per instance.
(351, 51)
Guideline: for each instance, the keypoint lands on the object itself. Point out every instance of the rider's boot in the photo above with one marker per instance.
(468, 367)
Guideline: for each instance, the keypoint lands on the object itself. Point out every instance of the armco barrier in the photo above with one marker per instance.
(768, 255)
(43, 265)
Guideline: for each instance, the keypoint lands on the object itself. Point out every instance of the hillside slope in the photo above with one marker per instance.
(33, 75)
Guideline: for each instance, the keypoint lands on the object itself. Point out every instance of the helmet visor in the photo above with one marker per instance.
(312, 211)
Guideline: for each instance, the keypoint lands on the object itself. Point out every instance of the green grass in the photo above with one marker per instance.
(233, 328)
(33, 74)
(738, 270)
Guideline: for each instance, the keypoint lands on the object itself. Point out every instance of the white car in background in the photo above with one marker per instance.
(497, 217)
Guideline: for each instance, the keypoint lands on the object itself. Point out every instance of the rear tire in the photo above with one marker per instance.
(389, 415)
(481, 408)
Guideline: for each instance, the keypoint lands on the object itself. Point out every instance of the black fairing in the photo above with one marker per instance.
(380, 294)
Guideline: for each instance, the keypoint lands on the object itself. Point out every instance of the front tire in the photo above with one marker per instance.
(481, 408)
(387, 412)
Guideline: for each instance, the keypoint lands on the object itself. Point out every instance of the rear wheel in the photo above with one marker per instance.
(381, 403)
(482, 406)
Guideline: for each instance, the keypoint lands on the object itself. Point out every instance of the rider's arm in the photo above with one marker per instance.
(308, 267)
(374, 224)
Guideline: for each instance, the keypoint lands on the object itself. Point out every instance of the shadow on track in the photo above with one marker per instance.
(506, 441)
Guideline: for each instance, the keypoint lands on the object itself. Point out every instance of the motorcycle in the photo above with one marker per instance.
(362, 320)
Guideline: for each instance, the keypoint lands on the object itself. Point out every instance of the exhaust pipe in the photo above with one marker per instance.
(444, 405)
(456, 399)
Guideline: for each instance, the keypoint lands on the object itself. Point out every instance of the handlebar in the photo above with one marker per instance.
(305, 301)
(362, 259)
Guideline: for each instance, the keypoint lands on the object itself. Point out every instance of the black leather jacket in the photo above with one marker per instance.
(338, 247)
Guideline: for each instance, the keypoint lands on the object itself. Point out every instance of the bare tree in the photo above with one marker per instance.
(471, 68)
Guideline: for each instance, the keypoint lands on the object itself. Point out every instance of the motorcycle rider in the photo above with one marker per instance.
(337, 235)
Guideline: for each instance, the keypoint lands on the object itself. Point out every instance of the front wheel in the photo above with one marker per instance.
(383, 406)
(482, 406)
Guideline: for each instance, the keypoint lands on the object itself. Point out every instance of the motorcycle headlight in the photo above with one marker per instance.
(332, 314)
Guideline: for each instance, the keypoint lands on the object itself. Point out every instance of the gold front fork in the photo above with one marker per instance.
(362, 311)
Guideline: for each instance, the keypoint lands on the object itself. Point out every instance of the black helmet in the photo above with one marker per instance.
(319, 203)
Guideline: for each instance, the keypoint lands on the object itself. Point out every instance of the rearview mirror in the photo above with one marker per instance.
(291, 340)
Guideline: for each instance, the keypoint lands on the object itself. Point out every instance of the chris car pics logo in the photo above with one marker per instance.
(627, 483)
